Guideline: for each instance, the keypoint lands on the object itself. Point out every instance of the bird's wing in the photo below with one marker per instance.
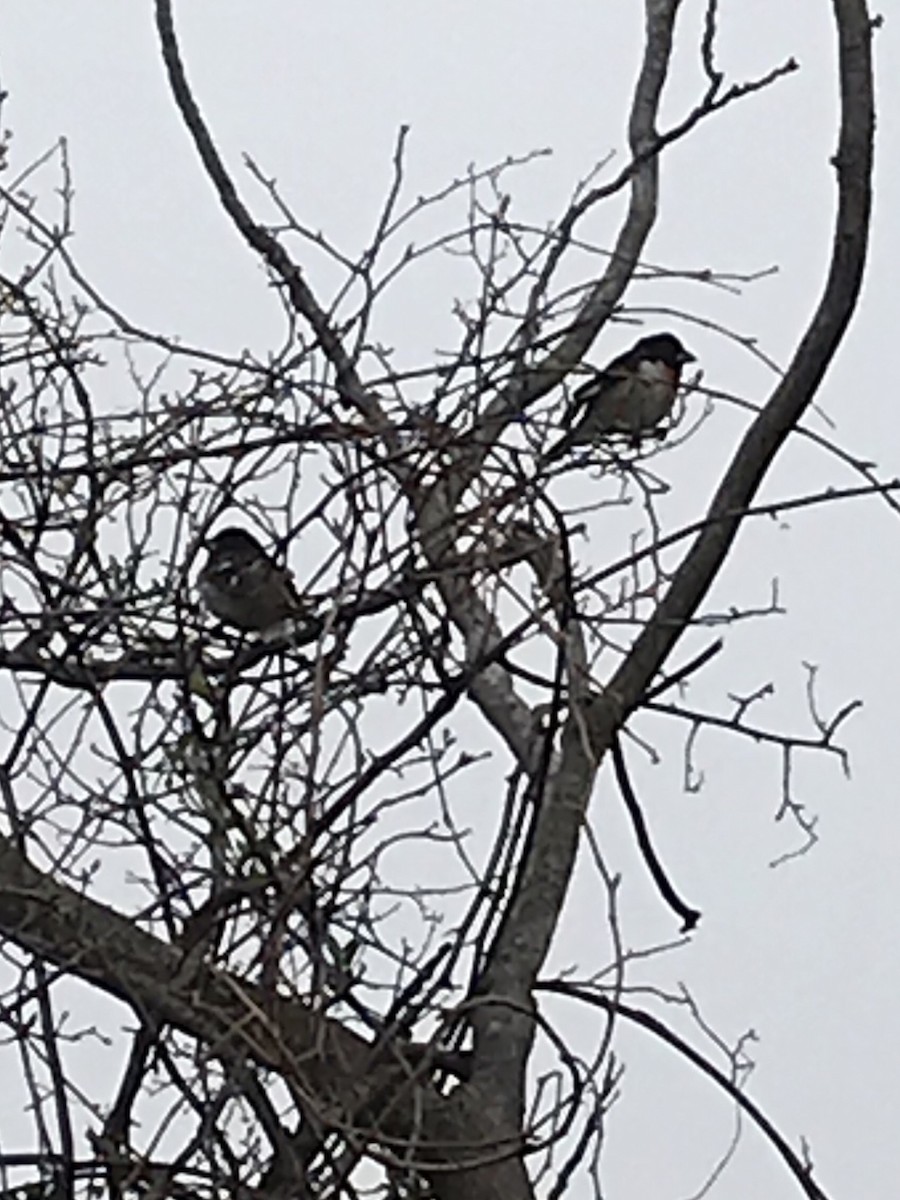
(596, 389)
(584, 396)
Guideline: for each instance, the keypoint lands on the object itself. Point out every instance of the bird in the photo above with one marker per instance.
(244, 587)
(630, 396)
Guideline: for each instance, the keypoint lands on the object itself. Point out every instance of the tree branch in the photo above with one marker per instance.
(796, 390)
(525, 388)
(258, 238)
(504, 1038)
(234, 1019)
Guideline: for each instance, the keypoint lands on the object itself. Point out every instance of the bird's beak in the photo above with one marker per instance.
(685, 357)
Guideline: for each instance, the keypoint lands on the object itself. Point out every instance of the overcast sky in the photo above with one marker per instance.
(806, 955)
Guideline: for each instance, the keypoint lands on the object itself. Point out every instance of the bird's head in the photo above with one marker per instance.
(664, 347)
(234, 544)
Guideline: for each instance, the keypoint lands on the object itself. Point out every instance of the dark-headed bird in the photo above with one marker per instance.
(630, 397)
(242, 586)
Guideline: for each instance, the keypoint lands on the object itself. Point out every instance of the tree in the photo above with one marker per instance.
(332, 983)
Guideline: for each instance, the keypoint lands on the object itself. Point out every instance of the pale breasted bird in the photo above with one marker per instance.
(244, 587)
(630, 397)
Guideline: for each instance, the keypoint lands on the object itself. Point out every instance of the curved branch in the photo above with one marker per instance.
(504, 1038)
(689, 916)
(797, 1167)
(535, 909)
(258, 238)
(795, 392)
(639, 220)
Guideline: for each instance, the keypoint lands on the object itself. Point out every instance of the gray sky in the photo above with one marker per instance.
(805, 955)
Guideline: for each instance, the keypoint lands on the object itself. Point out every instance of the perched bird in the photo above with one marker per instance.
(242, 586)
(630, 396)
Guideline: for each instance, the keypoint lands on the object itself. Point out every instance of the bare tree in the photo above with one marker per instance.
(333, 946)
